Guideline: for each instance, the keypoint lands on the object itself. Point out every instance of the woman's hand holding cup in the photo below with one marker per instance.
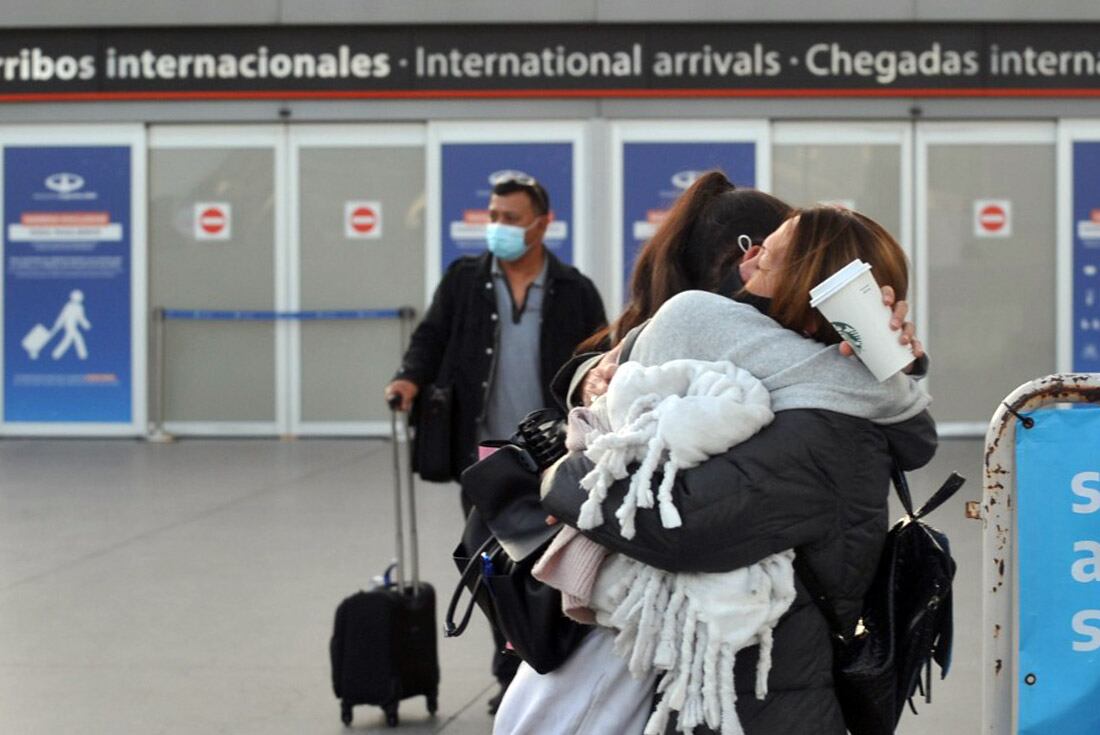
(897, 323)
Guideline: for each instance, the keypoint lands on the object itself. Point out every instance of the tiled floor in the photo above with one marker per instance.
(188, 588)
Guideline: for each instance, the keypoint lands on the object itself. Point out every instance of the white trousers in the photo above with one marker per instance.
(592, 693)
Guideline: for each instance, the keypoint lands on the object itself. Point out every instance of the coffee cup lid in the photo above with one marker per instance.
(837, 281)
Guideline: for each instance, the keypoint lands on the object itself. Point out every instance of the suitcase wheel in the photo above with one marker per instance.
(345, 713)
(391, 715)
(433, 703)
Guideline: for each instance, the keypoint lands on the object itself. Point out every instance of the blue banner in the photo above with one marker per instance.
(1086, 257)
(67, 295)
(471, 169)
(655, 174)
(1058, 547)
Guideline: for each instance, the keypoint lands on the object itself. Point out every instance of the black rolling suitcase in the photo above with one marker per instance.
(383, 646)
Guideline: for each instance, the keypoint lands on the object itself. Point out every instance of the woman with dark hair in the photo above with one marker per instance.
(814, 480)
(695, 248)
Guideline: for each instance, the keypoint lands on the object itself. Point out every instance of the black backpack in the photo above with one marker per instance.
(905, 625)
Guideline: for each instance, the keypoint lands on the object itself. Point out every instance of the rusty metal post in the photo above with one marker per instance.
(1000, 601)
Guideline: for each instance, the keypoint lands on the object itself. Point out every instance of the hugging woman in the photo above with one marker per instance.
(815, 479)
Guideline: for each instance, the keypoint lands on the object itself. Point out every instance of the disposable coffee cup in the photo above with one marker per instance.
(852, 302)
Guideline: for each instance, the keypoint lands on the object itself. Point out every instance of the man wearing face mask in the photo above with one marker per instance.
(499, 327)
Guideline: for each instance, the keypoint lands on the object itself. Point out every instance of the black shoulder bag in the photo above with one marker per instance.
(433, 415)
(505, 535)
(433, 450)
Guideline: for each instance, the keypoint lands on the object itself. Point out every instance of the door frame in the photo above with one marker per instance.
(967, 133)
(245, 136)
(361, 135)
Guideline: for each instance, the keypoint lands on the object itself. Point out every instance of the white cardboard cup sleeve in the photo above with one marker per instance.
(852, 302)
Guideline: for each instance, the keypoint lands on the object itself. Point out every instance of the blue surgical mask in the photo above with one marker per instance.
(506, 241)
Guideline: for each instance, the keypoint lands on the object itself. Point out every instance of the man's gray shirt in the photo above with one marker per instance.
(514, 385)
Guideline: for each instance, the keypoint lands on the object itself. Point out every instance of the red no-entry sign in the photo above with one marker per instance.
(212, 221)
(362, 220)
(992, 218)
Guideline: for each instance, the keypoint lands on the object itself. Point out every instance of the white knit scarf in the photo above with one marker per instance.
(676, 414)
(688, 625)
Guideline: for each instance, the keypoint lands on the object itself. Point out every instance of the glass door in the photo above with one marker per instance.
(216, 244)
(987, 264)
(356, 250)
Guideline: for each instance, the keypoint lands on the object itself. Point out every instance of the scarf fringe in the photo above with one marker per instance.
(662, 626)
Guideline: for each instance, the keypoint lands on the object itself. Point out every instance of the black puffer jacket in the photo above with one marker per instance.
(812, 480)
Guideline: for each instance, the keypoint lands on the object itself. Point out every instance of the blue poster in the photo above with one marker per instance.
(655, 174)
(67, 263)
(1058, 540)
(471, 169)
(1086, 257)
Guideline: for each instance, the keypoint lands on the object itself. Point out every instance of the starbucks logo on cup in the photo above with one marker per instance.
(849, 334)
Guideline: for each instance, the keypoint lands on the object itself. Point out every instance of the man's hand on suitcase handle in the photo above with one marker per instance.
(400, 394)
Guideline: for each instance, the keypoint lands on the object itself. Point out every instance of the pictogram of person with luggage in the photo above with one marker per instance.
(71, 320)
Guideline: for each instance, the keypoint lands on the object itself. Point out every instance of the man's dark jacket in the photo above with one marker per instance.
(457, 341)
(812, 480)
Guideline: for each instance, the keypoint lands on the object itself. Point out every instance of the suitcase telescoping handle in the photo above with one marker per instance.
(394, 402)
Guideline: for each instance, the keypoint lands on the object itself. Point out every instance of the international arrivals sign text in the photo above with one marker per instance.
(712, 60)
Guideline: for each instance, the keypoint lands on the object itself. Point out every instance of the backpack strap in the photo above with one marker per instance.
(949, 488)
(901, 488)
(472, 580)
